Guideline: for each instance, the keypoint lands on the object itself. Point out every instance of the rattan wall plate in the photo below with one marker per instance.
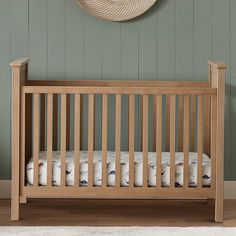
(116, 10)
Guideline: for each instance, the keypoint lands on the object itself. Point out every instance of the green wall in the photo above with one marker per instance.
(171, 42)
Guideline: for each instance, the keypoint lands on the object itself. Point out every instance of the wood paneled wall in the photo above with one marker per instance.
(171, 42)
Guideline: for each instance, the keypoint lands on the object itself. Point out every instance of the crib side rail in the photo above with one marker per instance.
(120, 90)
(118, 83)
(158, 94)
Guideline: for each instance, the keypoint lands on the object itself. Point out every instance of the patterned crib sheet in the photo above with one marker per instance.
(124, 169)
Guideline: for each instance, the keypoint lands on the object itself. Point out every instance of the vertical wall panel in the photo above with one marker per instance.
(5, 90)
(129, 70)
(56, 39)
(74, 41)
(13, 44)
(56, 44)
(38, 39)
(111, 64)
(111, 67)
(129, 51)
(74, 67)
(92, 68)
(19, 31)
(111, 50)
(202, 37)
(221, 51)
(184, 39)
(148, 60)
(166, 39)
(92, 47)
(148, 47)
(19, 28)
(232, 160)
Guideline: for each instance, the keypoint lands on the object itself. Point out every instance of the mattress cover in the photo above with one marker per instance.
(124, 169)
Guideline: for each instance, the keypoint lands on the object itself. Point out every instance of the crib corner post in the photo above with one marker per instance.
(217, 80)
(19, 78)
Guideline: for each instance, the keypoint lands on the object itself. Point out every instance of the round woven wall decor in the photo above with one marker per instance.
(116, 10)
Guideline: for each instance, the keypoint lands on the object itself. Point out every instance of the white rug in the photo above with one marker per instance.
(116, 231)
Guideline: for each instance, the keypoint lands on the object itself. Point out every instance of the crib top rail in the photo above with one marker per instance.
(119, 83)
(119, 90)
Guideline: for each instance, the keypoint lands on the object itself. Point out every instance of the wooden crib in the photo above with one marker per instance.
(186, 116)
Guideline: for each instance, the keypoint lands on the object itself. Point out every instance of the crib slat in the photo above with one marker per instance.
(55, 121)
(213, 140)
(207, 112)
(167, 123)
(186, 141)
(193, 123)
(63, 139)
(117, 138)
(68, 121)
(104, 140)
(141, 122)
(200, 141)
(42, 122)
(180, 122)
(172, 140)
(83, 103)
(158, 122)
(36, 138)
(154, 124)
(77, 141)
(29, 122)
(145, 140)
(131, 139)
(90, 139)
(49, 138)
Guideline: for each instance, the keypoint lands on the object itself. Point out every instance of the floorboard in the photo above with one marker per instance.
(64, 212)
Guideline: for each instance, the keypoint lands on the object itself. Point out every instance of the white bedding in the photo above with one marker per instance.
(206, 178)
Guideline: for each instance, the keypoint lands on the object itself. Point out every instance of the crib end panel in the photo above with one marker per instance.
(217, 80)
(19, 78)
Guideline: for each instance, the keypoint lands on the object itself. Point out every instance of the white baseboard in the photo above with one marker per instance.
(229, 189)
(5, 188)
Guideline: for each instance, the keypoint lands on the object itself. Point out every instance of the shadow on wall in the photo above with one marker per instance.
(5, 165)
(156, 7)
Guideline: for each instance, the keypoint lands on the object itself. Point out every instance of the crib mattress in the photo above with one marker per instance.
(124, 169)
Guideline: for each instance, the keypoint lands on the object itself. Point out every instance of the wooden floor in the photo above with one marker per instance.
(117, 213)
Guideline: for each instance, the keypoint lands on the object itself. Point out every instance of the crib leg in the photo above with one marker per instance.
(15, 188)
(219, 213)
(15, 207)
(23, 199)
